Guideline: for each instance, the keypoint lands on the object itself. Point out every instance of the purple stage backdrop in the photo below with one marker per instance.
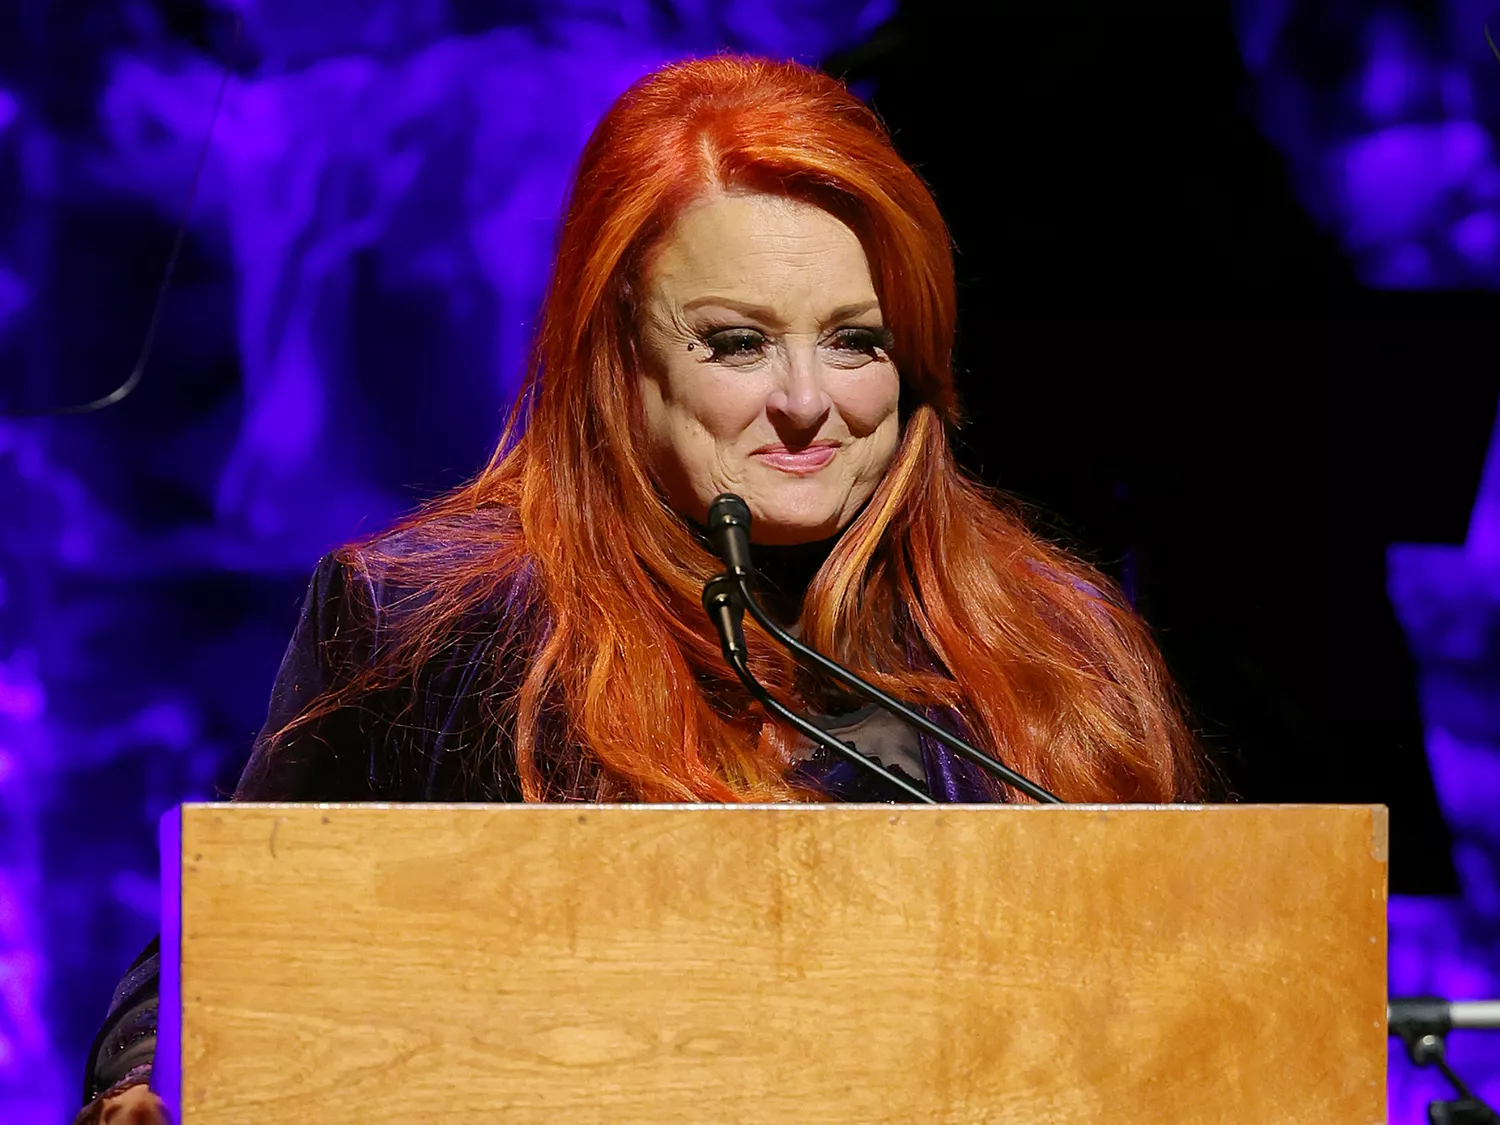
(1393, 149)
(367, 250)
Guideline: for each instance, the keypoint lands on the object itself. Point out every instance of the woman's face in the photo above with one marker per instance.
(767, 369)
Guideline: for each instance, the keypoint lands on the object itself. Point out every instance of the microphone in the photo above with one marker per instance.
(729, 530)
(722, 601)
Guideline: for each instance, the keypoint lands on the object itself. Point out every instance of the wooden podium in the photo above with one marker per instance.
(657, 965)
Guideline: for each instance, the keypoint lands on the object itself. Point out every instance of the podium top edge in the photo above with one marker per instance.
(783, 806)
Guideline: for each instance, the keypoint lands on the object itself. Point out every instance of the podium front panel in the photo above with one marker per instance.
(655, 965)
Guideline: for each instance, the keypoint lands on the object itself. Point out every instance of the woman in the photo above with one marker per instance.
(752, 294)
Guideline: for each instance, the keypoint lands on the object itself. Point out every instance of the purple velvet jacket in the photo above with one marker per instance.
(363, 754)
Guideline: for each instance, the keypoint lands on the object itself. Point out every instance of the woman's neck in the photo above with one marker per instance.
(785, 574)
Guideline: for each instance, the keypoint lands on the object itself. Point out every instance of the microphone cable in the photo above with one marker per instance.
(725, 606)
(133, 380)
(729, 530)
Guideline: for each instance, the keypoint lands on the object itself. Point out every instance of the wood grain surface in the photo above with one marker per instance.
(835, 963)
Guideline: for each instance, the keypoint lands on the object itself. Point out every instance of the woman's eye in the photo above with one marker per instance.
(862, 341)
(735, 344)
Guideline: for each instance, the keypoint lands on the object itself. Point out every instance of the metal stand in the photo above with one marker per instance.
(1422, 1024)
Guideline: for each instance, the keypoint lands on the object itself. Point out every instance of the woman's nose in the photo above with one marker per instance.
(802, 399)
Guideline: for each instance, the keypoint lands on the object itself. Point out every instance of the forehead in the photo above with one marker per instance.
(761, 249)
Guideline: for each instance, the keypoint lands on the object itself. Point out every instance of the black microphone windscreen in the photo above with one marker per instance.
(729, 528)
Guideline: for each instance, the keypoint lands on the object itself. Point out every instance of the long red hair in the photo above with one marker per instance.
(615, 685)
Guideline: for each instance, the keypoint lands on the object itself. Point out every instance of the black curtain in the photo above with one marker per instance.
(1165, 355)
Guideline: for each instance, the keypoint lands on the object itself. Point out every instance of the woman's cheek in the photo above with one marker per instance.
(727, 411)
(866, 403)
(881, 446)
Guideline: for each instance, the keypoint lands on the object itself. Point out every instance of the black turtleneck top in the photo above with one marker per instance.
(785, 573)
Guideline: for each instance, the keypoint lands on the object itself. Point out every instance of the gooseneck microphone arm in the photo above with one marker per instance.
(729, 528)
(722, 600)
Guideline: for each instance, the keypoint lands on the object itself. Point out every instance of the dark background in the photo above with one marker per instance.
(1169, 358)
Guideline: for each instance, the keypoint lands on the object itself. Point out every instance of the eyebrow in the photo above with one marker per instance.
(769, 316)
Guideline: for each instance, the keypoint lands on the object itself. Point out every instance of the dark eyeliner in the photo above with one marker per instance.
(720, 341)
(869, 338)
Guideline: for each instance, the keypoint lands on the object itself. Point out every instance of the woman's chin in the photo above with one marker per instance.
(784, 526)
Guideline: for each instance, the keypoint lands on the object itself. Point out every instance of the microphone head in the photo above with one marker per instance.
(728, 509)
(729, 529)
(722, 603)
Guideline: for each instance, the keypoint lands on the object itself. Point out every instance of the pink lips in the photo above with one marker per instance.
(807, 460)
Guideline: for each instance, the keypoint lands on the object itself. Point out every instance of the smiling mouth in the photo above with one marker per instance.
(807, 460)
